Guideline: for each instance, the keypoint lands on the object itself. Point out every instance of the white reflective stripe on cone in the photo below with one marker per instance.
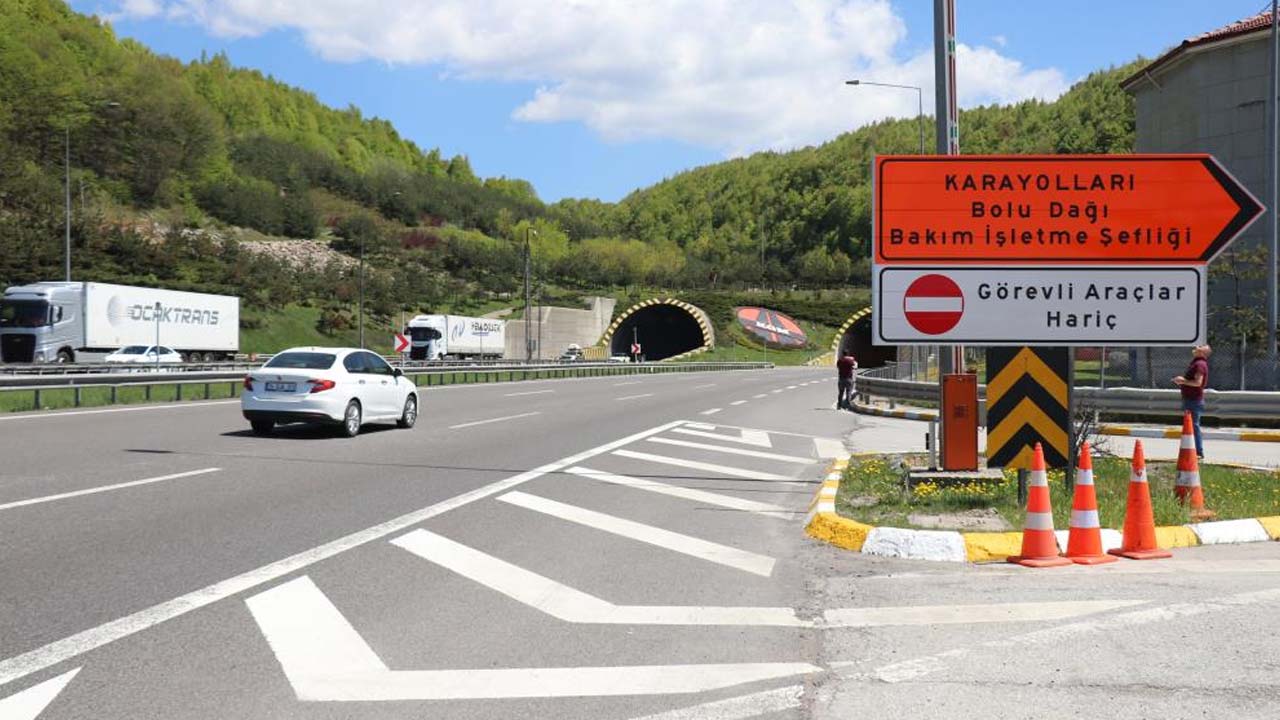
(1188, 442)
(1084, 477)
(1139, 477)
(1188, 478)
(1039, 521)
(1038, 477)
(1084, 519)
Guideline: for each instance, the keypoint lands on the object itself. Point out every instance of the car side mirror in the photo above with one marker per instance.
(397, 372)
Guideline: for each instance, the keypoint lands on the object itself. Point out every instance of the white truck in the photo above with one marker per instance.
(66, 321)
(449, 337)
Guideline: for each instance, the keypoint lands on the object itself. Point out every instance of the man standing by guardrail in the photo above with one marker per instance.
(844, 384)
(1192, 384)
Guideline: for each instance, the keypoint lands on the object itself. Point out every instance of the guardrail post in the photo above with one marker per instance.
(146, 391)
(206, 391)
(76, 394)
(178, 394)
(115, 393)
(37, 400)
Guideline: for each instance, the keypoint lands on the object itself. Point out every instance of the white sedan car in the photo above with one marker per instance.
(144, 354)
(347, 387)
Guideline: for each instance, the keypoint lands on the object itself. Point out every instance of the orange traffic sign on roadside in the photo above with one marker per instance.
(1044, 209)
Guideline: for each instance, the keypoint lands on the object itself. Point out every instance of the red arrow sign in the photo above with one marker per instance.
(400, 343)
(1077, 209)
(635, 348)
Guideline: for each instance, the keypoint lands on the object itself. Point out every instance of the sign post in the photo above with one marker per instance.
(1048, 251)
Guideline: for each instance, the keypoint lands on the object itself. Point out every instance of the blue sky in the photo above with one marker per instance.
(598, 99)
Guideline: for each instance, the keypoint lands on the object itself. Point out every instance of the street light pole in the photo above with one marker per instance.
(919, 102)
(360, 311)
(528, 297)
(67, 187)
(1273, 132)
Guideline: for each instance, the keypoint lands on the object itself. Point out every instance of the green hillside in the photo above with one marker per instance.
(194, 175)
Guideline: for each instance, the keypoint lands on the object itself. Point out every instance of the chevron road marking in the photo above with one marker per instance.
(744, 560)
(734, 451)
(28, 704)
(738, 708)
(709, 467)
(829, 448)
(700, 496)
(571, 605)
(758, 438)
(325, 659)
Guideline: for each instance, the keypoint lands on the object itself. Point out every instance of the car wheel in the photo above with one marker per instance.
(64, 356)
(410, 414)
(351, 419)
(262, 427)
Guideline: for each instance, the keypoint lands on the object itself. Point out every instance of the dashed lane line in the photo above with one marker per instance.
(528, 392)
(738, 402)
(634, 397)
(712, 411)
(105, 488)
(504, 418)
(743, 560)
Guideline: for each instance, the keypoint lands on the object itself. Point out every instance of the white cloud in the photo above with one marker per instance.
(733, 75)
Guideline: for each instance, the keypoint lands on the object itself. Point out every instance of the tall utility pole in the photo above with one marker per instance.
(528, 298)
(946, 115)
(1273, 144)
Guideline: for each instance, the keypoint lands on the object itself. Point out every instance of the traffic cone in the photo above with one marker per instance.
(1039, 544)
(1139, 541)
(1084, 541)
(1188, 483)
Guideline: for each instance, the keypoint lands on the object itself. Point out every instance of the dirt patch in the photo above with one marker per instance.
(979, 519)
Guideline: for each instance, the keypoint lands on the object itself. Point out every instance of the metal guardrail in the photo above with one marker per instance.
(421, 376)
(14, 369)
(1224, 404)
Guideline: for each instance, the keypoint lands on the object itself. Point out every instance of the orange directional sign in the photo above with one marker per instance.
(1046, 209)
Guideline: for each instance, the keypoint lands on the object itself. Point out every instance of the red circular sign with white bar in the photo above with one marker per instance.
(933, 304)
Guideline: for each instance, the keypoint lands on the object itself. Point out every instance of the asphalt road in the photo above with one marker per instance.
(606, 548)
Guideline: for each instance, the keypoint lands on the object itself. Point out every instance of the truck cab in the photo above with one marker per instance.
(41, 322)
(426, 337)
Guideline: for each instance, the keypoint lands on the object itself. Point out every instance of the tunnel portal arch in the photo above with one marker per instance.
(665, 327)
(854, 336)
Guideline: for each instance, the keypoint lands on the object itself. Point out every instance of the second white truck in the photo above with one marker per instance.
(453, 337)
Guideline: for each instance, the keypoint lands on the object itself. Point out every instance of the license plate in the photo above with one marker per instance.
(282, 387)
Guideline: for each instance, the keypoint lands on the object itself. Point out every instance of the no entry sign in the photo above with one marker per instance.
(1049, 250)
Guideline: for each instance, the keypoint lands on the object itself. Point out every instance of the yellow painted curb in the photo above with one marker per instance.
(991, 546)
(839, 531)
(1271, 525)
(1260, 437)
(1175, 536)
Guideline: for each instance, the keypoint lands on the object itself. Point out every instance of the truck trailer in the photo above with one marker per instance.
(448, 337)
(66, 321)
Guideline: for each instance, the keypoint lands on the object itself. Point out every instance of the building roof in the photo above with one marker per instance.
(1254, 24)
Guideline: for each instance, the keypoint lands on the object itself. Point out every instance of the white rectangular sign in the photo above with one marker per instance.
(1044, 305)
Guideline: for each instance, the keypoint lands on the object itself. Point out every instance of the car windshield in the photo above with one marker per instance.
(24, 313)
(132, 350)
(302, 361)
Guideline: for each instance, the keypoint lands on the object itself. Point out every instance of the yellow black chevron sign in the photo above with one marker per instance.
(1028, 401)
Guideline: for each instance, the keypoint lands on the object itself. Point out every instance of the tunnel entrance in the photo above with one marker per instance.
(855, 338)
(663, 329)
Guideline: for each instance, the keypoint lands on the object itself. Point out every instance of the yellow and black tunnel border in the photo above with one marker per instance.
(844, 329)
(854, 335)
(699, 315)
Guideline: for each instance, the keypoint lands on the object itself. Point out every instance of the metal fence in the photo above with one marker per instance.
(200, 384)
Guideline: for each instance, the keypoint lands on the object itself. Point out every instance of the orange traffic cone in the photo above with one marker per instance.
(1188, 484)
(1039, 544)
(1084, 541)
(1139, 541)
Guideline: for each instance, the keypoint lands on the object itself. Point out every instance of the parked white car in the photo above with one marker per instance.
(144, 354)
(347, 387)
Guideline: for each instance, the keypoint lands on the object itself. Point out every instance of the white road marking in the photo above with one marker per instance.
(634, 397)
(791, 387)
(701, 496)
(72, 413)
(570, 604)
(829, 448)
(771, 432)
(919, 667)
(105, 488)
(710, 467)
(624, 384)
(703, 387)
(746, 437)
(757, 397)
(777, 457)
(494, 420)
(28, 704)
(738, 402)
(325, 659)
(20, 666)
(700, 425)
(528, 392)
(737, 708)
(712, 411)
(775, 392)
(971, 614)
(743, 560)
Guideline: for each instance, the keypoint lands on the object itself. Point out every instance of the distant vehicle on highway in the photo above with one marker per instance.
(144, 354)
(453, 337)
(619, 358)
(573, 353)
(63, 321)
(347, 387)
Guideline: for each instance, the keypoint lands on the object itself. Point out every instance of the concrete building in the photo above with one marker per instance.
(1209, 94)
(561, 327)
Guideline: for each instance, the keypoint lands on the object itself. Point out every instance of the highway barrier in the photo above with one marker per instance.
(115, 387)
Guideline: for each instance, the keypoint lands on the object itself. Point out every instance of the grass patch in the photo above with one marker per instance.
(23, 400)
(871, 491)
